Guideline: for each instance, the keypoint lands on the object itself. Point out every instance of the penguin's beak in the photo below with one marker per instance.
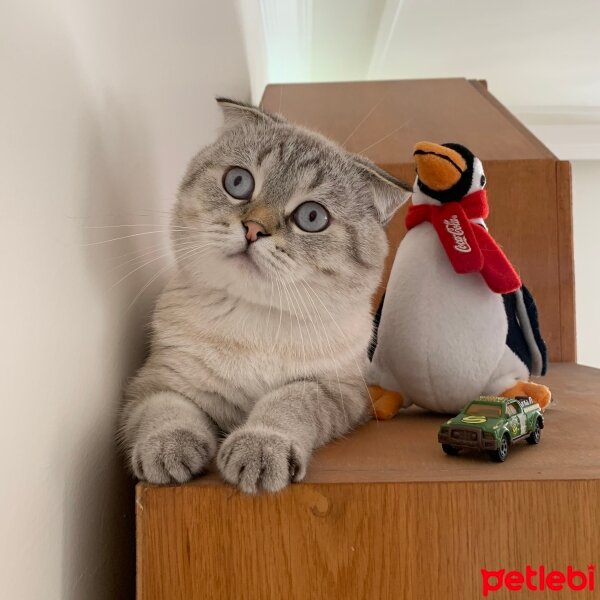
(438, 167)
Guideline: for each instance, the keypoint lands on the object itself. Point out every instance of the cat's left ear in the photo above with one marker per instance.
(389, 193)
(239, 113)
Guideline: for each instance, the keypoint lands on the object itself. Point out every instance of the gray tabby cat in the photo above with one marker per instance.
(262, 334)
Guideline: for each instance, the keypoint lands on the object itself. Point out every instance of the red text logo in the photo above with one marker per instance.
(538, 580)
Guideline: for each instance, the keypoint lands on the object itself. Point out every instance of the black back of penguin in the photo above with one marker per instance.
(524, 337)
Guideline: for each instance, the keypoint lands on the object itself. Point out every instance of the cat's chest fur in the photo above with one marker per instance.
(241, 351)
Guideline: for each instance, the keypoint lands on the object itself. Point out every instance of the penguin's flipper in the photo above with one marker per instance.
(540, 393)
(524, 337)
(376, 321)
(531, 314)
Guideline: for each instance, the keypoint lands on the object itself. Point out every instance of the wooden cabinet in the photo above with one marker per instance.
(384, 513)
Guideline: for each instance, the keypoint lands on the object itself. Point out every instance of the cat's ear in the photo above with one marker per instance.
(389, 193)
(238, 113)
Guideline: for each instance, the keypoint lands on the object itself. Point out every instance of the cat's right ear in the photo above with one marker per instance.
(238, 113)
(389, 193)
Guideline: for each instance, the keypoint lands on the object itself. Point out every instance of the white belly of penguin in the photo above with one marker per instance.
(444, 334)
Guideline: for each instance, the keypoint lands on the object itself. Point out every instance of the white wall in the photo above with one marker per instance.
(586, 217)
(102, 104)
(532, 52)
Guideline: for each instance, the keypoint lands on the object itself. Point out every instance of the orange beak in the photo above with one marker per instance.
(438, 167)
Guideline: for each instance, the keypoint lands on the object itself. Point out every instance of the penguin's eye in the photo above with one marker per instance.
(482, 181)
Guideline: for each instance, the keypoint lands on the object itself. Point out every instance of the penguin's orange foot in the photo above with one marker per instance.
(540, 393)
(385, 403)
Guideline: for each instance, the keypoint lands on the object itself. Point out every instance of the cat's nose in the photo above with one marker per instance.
(254, 231)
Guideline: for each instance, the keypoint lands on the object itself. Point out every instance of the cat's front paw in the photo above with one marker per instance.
(172, 455)
(261, 459)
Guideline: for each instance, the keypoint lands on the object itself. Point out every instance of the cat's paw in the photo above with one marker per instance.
(173, 455)
(261, 459)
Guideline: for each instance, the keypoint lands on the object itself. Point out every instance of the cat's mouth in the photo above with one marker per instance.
(245, 260)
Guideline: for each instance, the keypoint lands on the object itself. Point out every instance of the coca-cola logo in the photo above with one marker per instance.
(454, 228)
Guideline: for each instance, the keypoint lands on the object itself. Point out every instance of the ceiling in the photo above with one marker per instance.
(539, 57)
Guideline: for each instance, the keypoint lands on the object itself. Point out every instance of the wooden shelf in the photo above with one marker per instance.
(385, 514)
(406, 449)
(402, 113)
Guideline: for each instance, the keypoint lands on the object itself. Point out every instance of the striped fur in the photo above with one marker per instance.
(266, 354)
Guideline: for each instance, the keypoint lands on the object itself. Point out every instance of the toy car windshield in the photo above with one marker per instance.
(484, 410)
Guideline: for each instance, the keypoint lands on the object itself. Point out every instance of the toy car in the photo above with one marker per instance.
(492, 424)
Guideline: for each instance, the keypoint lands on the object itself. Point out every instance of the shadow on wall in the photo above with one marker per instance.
(99, 528)
(99, 524)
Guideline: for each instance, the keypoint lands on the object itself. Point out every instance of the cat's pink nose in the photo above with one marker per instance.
(254, 230)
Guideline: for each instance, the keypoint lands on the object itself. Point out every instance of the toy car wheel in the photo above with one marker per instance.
(450, 450)
(534, 437)
(501, 453)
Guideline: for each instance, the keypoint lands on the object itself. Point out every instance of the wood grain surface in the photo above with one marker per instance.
(385, 119)
(528, 188)
(416, 541)
(385, 514)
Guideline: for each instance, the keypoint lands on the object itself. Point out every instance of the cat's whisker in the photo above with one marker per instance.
(306, 314)
(156, 276)
(300, 298)
(385, 137)
(148, 262)
(332, 353)
(276, 339)
(147, 285)
(144, 264)
(146, 212)
(165, 226)
(157, 248)
(159, 244)
(289, 308)
(200, 250)
(364, 119)
(271, 277)
(300, 328)
(163, 230)
(360, 373)
(124, 237)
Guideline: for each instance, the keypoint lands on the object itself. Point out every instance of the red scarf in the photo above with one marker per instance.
(469, 246)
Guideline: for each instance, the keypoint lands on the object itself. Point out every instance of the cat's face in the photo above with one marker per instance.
(270, 208)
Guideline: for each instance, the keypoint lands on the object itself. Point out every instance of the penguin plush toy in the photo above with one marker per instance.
(456, 323)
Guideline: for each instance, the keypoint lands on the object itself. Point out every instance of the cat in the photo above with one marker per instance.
(260, 339)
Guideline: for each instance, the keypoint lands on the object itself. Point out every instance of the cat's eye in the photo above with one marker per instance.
(238, 183)
(311, 216)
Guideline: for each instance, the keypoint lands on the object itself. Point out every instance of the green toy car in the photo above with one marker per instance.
(492, 424)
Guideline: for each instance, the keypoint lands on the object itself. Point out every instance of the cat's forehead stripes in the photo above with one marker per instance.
(315, 164)
(263, 153)
(289, 154)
